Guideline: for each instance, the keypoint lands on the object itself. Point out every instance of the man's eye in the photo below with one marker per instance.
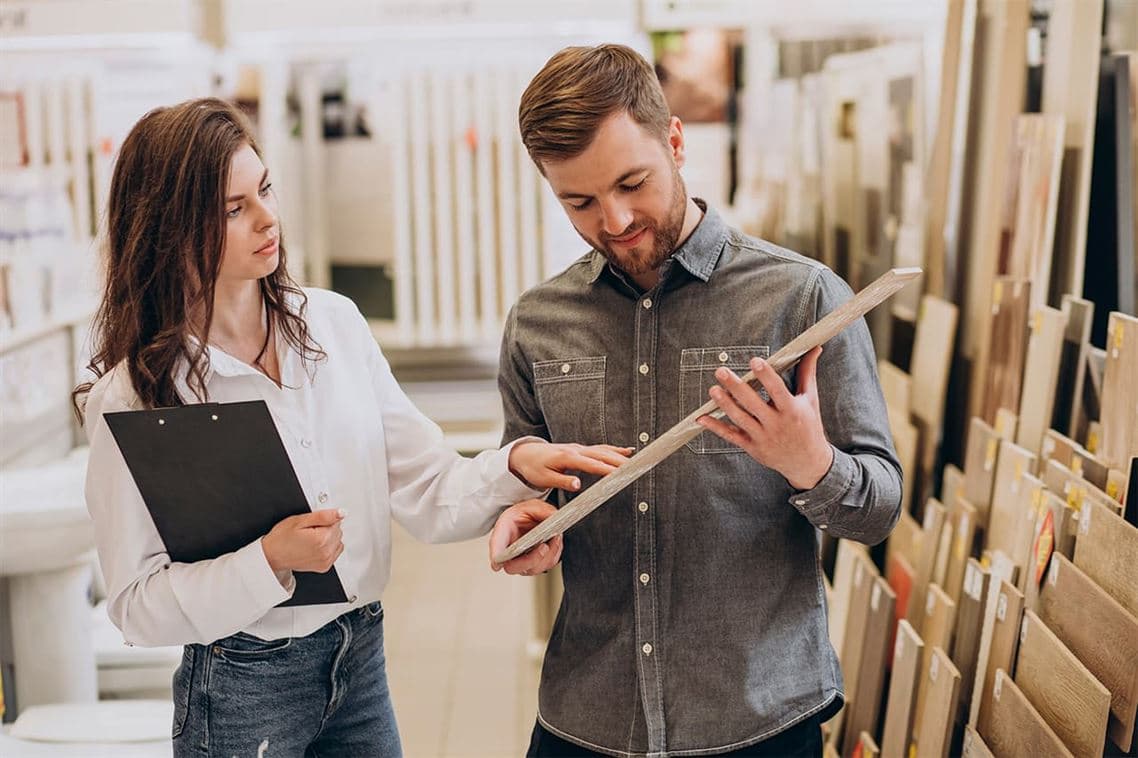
(634, 187)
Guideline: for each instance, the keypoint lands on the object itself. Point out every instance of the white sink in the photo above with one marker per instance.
(46, 551)
(44, 524)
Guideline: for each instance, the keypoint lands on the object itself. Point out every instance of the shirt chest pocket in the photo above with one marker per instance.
(697, 375)
(571, 393)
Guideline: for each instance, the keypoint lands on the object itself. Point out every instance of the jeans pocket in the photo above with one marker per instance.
(374, 610)
(571, 393)
(245, 648)
(697, 375)
(183, 686)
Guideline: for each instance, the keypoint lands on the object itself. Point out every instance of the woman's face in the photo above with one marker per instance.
(252, 234)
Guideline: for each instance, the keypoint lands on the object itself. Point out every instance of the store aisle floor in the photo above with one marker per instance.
(456, 635)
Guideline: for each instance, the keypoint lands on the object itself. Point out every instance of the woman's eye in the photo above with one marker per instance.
(232, 212)
(580, 206)
(265, 190)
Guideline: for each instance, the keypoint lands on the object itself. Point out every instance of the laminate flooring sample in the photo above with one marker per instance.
(1106, 549)
(900, 709)
(1015, 729)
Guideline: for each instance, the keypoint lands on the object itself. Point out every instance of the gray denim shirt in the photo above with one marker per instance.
(694, 617)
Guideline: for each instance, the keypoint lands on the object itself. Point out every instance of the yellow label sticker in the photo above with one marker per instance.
(1118, 337)
(1112, 490)
(1077, 465)
(997, 293)
(1074, 497)
(1092, 442)
(1037, 322)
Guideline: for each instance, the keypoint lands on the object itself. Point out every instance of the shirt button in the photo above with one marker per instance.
(306, 442)
(723, 357)
(647, 303)
(800, 502)
(322, 497)
(647, 648)
(643, 436)
(643, 368)
(644, 578)
(565, 368)
(643, 507)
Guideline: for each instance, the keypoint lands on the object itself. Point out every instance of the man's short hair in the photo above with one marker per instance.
(580, 87)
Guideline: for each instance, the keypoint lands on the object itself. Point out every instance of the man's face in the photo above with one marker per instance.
(624, 194)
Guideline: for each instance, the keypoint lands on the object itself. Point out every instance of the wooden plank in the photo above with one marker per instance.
(980, 466)
(1064, 523)
(1067, 695)
(854, 644)
(969, 627)
(1090, 467)
(999, 642)
(1011, 299)
(931, 531)
(1120, 391)
(974, 746)
(962, 515)
(1031, 200)
(646, 459)
(1057, 446)
(904, 540)
(951, 483)
(1107, 551)
(866, 747)
(1014, 727)
(899, 574)
(1000, 52)
(942, 183)
(1072, 364)
(932, 353)
(865, 706)
(1101, 634)
(1070, 90)
(1041, 375)
(908, 652)
(942, 683)
(844, 563)
(906, 440)
(896, 386)
(940, 619)
(1007, 422)
(1006, 517)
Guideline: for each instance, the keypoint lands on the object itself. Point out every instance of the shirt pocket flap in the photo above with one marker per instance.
(734, 356)
(568, 369)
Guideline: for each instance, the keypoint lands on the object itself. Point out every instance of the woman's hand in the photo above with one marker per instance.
(542, 464)
(512, 524)
(308, 542)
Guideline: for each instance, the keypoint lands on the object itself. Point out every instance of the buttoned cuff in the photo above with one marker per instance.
(815, 503)
(502, 482)
(260, 581)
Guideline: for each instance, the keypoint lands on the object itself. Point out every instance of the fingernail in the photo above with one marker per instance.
(576, 483)
(342, 512)
(543, 550)
(721, 372)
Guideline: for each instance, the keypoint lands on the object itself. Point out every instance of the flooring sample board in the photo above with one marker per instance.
(974, 746)
(962, 516)
(1041, 374)
(969, 627)
(980, 466)
(1008, 346)
(1032, 193)
(940, 620)
(1106, 549)
(1068, 696)
(899, 574)
(904, 541)
(857, 629)
(1090, 467)
(906, 440)
(932, 531)
(864, 707)
(1014, 727)
(1007, 422)
(951, 483)
(943, 178)
(1070, 90)
(896, 386)
(1057, 446)
(942, 683)
(933, 347)
(1006, 517)
(646, 459)
(847, 558)
(999, 642)
(1063, 521)
(1101, 634)
(865, 747)
(1120, 391)
(999, 74)
(908, 652)
(1072, 364)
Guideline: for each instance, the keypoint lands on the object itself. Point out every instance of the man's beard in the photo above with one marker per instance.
(665, 235)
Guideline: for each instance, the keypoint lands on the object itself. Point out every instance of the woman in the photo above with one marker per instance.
(198, 306)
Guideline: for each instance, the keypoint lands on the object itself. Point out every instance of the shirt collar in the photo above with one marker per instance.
(699, 253)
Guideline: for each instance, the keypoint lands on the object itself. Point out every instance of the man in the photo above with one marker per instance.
(693, 620)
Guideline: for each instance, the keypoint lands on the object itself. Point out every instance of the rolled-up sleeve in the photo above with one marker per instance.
(859, 498)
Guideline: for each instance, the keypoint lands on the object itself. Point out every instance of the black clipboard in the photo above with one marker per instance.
(215, 477)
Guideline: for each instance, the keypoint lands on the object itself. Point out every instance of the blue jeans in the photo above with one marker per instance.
(317, 696)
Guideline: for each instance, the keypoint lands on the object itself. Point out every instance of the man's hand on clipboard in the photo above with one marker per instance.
(307, 542)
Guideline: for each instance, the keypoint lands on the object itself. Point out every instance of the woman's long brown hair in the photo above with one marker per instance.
(165, 232)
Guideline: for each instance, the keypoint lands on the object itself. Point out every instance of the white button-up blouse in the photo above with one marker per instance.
(356, 443)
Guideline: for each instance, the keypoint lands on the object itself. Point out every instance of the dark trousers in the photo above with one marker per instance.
(803, 740)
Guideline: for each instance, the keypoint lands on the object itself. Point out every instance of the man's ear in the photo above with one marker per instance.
(676, 141)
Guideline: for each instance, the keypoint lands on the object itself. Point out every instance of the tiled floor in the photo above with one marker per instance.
(456, 635)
